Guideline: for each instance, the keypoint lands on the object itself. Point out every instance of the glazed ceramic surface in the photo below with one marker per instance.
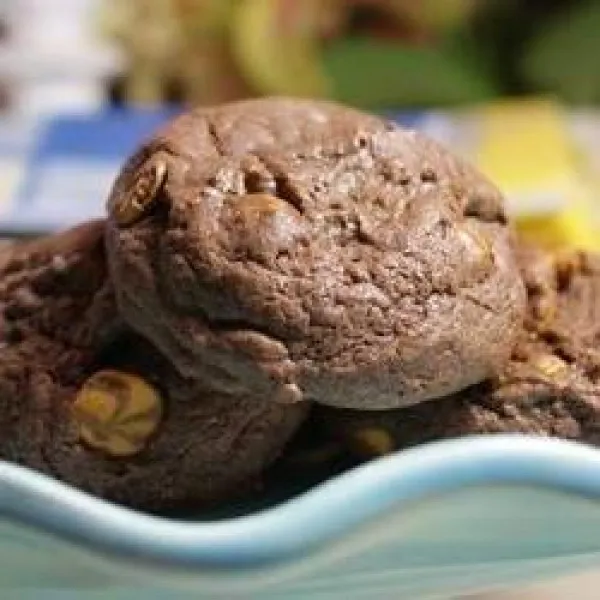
(431, 522)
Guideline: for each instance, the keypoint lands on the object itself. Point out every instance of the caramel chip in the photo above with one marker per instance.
(140, 197)
(260, 204)
(478, 245)
(372, 442)
(551, 366)
(117, 412)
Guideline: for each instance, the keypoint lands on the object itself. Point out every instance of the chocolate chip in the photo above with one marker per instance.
(428, 175)
(13, 333)
(361, 141)
(256, 182)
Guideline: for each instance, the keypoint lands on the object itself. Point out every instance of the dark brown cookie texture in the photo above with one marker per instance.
(86, 400)
(303, 250)
(54, 309)
(550, 387)
(167, 443)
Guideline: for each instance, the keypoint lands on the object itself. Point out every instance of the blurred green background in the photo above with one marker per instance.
(371, 53)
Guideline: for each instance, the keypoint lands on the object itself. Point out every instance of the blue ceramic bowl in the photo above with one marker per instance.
(430, 522)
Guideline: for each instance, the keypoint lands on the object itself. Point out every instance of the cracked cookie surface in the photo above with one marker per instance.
(550, 387)
(304, 250)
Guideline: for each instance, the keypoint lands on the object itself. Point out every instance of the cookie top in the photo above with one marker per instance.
(309, 251)
(551, 386)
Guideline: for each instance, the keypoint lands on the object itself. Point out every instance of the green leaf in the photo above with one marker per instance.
(563, 58)
(379, 73)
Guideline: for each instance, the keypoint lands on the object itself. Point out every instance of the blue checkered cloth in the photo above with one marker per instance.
(56, 172)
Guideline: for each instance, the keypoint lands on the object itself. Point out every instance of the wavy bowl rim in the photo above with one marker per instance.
(294, 528)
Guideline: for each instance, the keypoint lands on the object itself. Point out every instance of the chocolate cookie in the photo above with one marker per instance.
(551, 386)
(303, 250)
(85, 399)
(55, 308)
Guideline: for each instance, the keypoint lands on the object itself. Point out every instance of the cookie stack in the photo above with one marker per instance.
(279, 265)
